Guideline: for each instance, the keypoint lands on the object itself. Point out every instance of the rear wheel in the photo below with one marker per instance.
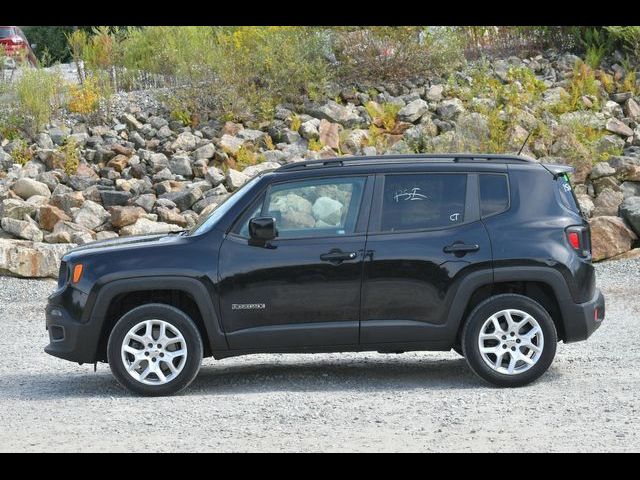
(509, 340)
(155, 350)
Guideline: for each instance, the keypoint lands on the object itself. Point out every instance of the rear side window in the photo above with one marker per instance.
(494, 194)
(422, 201)
(6, 32)
(567, 197)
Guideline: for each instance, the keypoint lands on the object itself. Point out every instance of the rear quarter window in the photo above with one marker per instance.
(567, 197)
(494, 194)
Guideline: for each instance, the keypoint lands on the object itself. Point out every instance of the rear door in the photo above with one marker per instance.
(425, 233)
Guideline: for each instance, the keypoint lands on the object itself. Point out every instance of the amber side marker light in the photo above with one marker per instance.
(77, 273)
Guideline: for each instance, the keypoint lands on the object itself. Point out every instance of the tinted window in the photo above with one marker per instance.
(317, 207)
(566, 193)
(494, 194)
(6, 32)
(420, 201)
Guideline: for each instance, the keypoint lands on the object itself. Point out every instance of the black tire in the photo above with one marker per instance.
(179, 320)
(474, 323)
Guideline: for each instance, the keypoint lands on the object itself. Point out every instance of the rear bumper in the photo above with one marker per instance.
(582, 319)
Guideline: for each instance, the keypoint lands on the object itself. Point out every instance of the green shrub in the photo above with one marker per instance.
(387, 53)
(628, 36)
(383, 116)
(39, 95)
(71, 152)
(21, 152)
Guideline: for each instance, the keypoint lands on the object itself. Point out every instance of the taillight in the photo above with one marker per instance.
(574, 240)
(578, 238)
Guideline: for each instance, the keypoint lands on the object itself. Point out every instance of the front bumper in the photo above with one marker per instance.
(69, 337)
(582, 319)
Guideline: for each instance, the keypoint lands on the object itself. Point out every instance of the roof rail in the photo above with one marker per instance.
(404, 158)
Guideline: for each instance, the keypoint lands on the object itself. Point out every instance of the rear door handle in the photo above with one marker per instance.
(460, 248)
(336, 255)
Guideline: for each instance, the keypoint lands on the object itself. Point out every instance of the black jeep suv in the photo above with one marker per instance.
(488, 255)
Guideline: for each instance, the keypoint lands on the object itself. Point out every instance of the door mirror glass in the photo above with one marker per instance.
(262, 229)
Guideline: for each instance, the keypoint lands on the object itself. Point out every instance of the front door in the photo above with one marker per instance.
(303, 288)
(425, 233)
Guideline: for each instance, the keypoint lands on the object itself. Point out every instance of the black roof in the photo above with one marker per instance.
(406, 159)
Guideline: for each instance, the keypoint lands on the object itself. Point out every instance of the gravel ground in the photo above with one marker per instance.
(588, 401)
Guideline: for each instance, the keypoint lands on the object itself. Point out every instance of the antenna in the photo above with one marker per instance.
(524, 143)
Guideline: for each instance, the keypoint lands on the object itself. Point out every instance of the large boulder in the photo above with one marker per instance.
(449, 109)
(27, 187)
(253, 170)
(16, 208)
(607, 203)
(413, 111)
(630, 210)
(235, 179)
(185, 142)
(49, 215)
(30, 259)
(618, 127)
(69, 232)
(610, 236)
(329, 134)
(26, 229)
(345, 115)
(91, 215)
(327, 211)
(144, 226)
(123, 216)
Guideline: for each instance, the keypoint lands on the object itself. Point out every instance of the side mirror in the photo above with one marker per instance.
(262, 230)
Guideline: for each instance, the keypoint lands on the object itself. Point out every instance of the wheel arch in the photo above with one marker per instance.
(116, 297)
(545, 285)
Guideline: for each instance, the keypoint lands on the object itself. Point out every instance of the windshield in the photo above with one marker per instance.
(206, 223)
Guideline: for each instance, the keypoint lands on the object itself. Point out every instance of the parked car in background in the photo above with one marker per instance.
(15, 46)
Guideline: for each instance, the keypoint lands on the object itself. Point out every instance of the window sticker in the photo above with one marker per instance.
(409, 194)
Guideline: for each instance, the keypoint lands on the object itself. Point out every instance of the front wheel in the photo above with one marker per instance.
(155, 350)
(509, 340)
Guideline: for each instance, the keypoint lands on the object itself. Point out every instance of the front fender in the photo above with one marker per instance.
(99, 302)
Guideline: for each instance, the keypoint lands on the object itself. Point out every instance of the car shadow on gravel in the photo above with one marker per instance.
(334, 375)
(218, 378)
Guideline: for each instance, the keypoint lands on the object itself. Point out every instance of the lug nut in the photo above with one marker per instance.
(504, 337)
(512, 348)
(153, 359)
(146, 353)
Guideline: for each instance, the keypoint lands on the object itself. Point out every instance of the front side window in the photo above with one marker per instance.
(423, 201)
(319, 207)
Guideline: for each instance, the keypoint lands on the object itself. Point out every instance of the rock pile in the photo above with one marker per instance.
(142, 172)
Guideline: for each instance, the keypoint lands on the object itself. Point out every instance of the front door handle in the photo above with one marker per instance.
(459, 248)
(337, 256)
